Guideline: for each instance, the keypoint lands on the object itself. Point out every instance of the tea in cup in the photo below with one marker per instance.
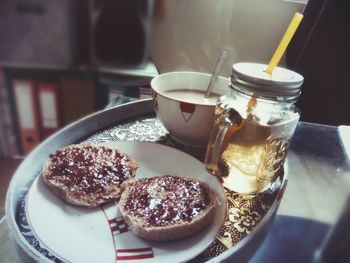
(253, 127)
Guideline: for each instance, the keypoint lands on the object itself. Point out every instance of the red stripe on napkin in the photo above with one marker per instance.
(134, 253)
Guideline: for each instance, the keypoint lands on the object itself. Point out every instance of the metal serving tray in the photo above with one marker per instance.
(249, 216)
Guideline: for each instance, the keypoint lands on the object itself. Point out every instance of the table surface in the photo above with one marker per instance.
(316, 195)
(317, 190)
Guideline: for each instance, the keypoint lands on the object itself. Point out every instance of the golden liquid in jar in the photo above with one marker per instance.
(253, 154)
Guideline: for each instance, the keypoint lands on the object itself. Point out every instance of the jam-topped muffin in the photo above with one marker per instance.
(87, 175)
(163, 208)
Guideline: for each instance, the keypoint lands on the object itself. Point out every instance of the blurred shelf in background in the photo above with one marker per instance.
(36, 102)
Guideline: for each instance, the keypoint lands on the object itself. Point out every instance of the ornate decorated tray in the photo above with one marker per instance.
(247, 219)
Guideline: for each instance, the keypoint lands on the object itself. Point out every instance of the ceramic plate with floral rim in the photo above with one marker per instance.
(76, 234)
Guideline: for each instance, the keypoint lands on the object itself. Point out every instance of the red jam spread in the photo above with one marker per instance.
(167, 200)
(88, 169)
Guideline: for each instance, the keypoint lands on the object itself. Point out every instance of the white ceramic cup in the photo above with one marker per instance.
(180, 104)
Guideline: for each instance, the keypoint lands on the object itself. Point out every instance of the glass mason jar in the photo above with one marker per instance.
(253, 127)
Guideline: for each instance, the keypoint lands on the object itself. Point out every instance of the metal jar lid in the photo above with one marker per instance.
(252, 78)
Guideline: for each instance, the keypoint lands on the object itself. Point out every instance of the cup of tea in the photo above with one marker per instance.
(253, 127)
(180, 104)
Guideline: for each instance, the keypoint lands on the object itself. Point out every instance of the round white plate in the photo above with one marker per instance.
(75, 234)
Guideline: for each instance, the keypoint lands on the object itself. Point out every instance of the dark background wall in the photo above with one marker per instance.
(61, 33)
(320, 51)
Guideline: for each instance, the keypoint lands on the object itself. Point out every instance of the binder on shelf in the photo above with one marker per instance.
(26, 102)
(3, 146)
(10, 144)
(49, 109)
(78, 99)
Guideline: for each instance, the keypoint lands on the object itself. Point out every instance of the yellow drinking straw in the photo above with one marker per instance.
(284, 42)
